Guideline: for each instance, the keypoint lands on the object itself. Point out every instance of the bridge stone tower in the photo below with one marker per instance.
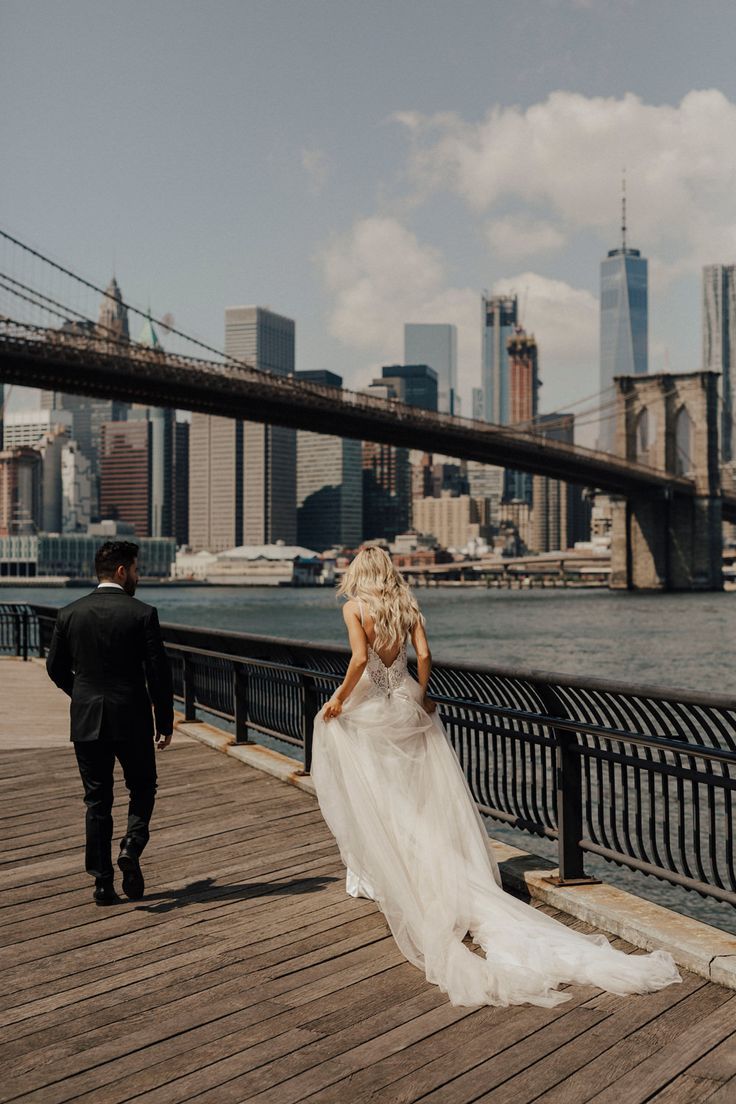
(672, 542)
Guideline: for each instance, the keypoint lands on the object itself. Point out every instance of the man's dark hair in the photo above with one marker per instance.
(113, 554)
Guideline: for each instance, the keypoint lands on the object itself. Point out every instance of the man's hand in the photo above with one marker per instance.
(163, 740)
(429, 705)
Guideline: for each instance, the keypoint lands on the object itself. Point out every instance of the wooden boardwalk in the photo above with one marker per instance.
(246, 974)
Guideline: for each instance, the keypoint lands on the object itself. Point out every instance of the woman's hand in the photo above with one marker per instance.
(333, 708)
(428, 705)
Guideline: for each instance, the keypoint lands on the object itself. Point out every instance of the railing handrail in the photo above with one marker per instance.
(623, 736)
(525, 674)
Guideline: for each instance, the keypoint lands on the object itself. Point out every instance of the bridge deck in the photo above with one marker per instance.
(246, 974)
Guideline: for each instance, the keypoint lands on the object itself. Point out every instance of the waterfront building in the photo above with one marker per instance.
(435, 344)
(719, 345)
(499, 315)
(623, 323)
(72, 555)
(329, 489)
(452, 519)
(414, 384)
(276, 564)
(21, 492)
(77, 485)
(125, 474)
(28, 427)
(477, 410)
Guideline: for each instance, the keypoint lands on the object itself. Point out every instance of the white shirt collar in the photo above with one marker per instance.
(101, 585)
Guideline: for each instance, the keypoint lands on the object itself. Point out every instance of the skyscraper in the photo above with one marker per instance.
(89, 414)
(181, 482)
(329, 489)
(21, 492)
(266, 340)
(161, 442)
(215, 483)
(499, 316)
(560, 516)
(524, 387)
(414, 384)
(125, 474)
(624, 323)
(435, 344)
(719, 343)
(242, 475)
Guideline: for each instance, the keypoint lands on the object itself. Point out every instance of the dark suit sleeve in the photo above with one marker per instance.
(158, 675)
(59, 659)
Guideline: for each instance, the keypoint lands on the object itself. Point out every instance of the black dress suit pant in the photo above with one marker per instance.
(96, 760)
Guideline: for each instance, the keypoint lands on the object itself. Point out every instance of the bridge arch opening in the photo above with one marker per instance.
(684, 442)
(645, 435)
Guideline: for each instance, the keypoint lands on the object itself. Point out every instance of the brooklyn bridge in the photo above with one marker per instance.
(667, 516)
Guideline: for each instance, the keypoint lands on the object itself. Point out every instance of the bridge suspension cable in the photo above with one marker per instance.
(164, 325)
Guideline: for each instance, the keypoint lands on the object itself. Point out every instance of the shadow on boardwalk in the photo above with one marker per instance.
(246, 974)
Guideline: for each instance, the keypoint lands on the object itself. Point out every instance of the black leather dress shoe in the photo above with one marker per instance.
(133, 883)
(104, 893)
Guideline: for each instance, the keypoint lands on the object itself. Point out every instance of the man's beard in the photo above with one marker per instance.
(129, 586)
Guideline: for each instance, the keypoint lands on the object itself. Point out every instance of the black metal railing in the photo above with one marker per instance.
(641, 776)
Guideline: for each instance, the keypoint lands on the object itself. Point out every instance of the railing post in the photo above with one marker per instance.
(310, 705)
(24, 634)
(190, 712)
(240, 694)
(16, 631)
(569, 799)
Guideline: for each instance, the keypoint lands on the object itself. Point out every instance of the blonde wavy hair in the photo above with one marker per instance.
(372, 579)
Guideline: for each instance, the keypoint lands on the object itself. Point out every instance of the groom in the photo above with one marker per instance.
(108, 656)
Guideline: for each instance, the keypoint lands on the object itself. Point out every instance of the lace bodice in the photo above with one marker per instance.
(386, 678)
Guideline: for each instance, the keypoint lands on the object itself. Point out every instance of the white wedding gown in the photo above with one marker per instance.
(395, 797)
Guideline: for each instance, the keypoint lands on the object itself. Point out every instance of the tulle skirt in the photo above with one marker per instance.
(395, 797)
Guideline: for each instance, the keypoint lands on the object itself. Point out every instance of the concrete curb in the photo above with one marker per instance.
(700, 948)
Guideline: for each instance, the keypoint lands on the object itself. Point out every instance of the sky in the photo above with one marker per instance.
(360, 165)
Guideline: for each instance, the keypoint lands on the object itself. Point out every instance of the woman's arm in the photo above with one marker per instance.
(424, 663)
(358, 661)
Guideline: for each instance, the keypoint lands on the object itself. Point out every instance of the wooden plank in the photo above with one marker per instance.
(671, 1059)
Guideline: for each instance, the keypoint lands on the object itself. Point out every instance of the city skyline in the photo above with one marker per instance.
(393, 200)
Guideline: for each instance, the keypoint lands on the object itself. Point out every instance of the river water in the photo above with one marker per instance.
(686, 641)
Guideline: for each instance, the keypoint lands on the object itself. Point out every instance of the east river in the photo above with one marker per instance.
(684, 641)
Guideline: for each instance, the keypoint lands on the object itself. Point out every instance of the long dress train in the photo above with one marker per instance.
(395, 797)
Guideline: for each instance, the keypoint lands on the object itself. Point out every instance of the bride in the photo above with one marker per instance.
(395, 797)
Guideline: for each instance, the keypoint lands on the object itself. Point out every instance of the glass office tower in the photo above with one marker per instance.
(499, 316)
(624, 329)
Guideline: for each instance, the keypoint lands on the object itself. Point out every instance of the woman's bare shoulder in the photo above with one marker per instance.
(350, 609)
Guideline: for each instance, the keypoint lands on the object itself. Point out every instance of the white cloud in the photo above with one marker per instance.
(562, 159)
(564, 320)
(382, 276)
(515, 237)
(315, 165)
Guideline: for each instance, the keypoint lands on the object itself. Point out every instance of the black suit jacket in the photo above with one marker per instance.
(108, 656)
